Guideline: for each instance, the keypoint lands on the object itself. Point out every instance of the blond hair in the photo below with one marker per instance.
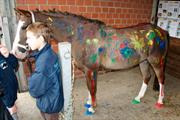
(40, 29)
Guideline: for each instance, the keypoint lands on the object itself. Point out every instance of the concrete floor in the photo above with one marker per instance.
(115, 92)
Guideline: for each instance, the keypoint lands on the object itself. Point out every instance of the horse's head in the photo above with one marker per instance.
(20, 49)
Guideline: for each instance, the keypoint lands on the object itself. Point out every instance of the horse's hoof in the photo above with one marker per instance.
(135, 102)
(87, 105)
(88, 113)
(159, 105)
(94, 105)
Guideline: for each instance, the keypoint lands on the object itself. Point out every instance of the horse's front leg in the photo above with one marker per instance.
(91, 77)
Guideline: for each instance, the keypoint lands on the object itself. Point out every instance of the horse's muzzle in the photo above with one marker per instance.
(23, 48)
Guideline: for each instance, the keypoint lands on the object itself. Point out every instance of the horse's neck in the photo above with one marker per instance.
(63, 26)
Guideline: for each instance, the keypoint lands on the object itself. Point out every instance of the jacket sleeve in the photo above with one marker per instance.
(39, 84)
(12, 60)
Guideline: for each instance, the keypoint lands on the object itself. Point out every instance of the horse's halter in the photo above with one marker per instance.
(25, 46)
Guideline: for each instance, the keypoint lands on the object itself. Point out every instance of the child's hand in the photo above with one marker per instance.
(4, 51)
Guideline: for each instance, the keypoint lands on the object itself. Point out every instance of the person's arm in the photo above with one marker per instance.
(39, 84)
(12, 60)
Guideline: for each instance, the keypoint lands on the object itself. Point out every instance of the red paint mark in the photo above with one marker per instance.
(92, 88)
(114, 37)
(122, 45)
(93, 91)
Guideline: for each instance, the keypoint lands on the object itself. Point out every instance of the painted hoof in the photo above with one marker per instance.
(159, 106)
(135, 102)
(87, 105)
(88, 113)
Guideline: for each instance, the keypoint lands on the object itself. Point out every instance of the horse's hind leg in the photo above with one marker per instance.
(145, 70)
(91, 77)
(156, 84)
(159, 71)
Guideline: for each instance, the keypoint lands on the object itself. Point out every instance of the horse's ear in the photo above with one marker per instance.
(18, 11)
(22, 12)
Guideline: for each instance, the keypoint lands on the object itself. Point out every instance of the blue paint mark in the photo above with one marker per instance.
(80, 33)
(127, 52)
(94, 75)
(158, 40)
(162, 45)
(126, 42)
(101, 50)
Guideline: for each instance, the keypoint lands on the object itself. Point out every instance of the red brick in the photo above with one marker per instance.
(71, 2)
(41, 1)
(88, 15)
(62, 2)
(82, 9)
(24, 7)
(65, 8)
(117, 21)
(73, 9)
(94, 15)
(105, 10)
(90, 9)
(127, 16)
(114, 16)
(101, 16)
(118, 10)
(44, 7)
(110, 4)
(88, 2)
(56, 7)
(96, 3)
(52, 1)
(80, 2)
(111, 10)
(98, 9)
(21, 1)
(109, 16)
(31, 1)
(103, 4)
(33, 7)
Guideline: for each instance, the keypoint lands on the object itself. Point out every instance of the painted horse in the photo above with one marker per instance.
(96, 45)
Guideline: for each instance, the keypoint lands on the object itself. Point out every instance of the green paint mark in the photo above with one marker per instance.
(137, 44)
(113, 60)
(109, 39)
(135, 102)
(95, 41)
(110, 34)
(151, 35)
(69, 30)
(88, 41)
(93, 58)
(102, 32)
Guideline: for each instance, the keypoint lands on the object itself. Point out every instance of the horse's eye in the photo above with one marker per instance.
(23, 27)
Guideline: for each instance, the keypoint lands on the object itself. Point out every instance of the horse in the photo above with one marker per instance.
(96, 45)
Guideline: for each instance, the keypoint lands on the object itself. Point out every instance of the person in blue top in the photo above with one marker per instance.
(4, 113)
(45, 83)
(8, 80)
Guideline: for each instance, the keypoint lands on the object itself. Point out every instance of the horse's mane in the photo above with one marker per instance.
(55, 13)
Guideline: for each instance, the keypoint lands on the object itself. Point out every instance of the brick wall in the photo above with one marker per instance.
(116, 13)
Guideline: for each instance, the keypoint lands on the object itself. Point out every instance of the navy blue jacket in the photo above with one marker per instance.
(45, 84)
(8, 79)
